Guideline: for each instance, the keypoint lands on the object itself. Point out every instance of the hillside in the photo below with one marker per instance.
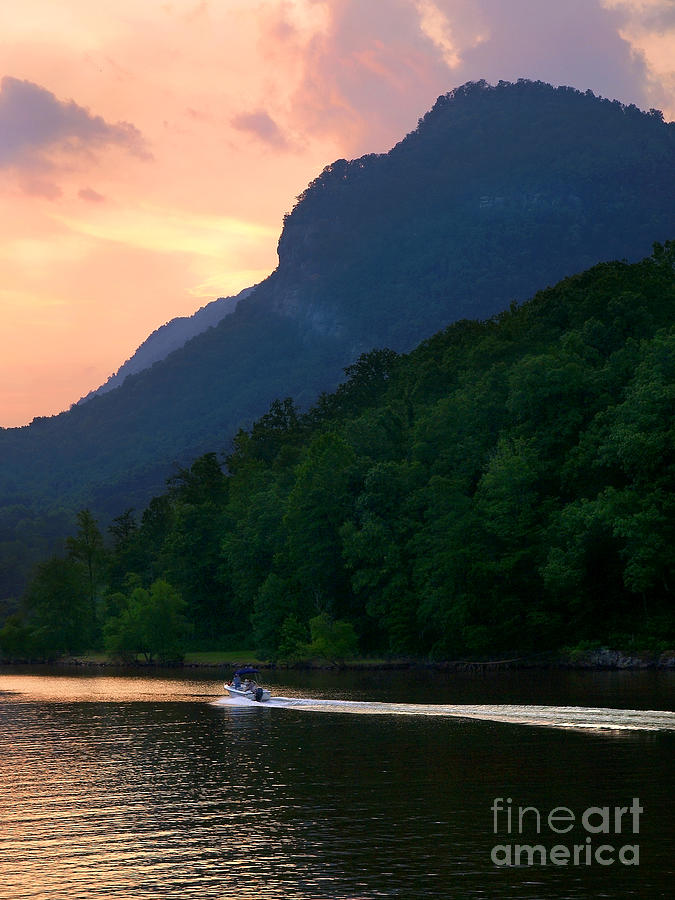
(169, 337)
(500, 191)
(506, 488)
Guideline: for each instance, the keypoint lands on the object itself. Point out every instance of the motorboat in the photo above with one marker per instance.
(243, 685)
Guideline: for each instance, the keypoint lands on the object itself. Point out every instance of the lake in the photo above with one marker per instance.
(138, 786)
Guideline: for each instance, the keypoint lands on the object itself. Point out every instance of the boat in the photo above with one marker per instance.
(247, 687)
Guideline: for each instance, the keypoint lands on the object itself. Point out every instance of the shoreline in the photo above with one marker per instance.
(602, 660)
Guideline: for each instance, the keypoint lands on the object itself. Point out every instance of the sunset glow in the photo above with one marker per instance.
(148, 152)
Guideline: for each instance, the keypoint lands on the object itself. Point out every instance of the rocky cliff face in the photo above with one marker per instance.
(500, 191)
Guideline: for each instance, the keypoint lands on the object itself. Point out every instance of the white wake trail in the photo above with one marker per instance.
(578, 717)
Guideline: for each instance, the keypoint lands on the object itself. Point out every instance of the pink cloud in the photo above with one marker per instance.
(33, 122)
(90, 195)
(34, 186)
(368, 75)
(262, 126)
(575, 43)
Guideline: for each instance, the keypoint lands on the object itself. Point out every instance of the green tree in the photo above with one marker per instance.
(87, 549)
(126, 554)
(320, 502)
(59, 609)
(280, 598)
(152, 624)
(331, 639)
(378, 556)
(292, 640)
(16, 638)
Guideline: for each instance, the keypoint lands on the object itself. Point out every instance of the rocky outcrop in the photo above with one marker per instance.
(604, 658)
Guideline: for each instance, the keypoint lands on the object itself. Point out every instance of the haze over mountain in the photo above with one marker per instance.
(499, 192)
(169, 337)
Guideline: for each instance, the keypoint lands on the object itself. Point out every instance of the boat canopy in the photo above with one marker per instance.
(246, 671)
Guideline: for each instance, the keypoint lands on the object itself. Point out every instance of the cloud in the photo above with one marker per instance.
(162, 230)
(653, 14)
(90, 195)
(369, 73)
(34, 186)
(34, 122)
(576, 43)
(262, 126)
(649, 26)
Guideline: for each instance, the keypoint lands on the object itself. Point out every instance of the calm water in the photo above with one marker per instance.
(140, 787)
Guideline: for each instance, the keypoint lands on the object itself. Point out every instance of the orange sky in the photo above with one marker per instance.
(148, 151)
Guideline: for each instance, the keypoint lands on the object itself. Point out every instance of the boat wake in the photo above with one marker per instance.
(576, 717)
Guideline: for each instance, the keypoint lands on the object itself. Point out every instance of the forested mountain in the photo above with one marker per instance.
(169, 337)
(499, 192)
(509, 486)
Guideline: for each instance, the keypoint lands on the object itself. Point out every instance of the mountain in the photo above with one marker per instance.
(169, 337)
(499, 192)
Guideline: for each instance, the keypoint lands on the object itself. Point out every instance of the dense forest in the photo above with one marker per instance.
(498, 192)
(508, 486)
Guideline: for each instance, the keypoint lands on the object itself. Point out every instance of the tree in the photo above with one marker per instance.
(203, 482)
(292, 639)
(152, 624)
(331, 639)
(378, 556)
(16, 638)
(58, 608)
(127, 553)
(320, 502)
(87, 549)
(280, 602)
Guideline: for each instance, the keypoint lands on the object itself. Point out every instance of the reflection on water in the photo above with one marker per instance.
(139, 787)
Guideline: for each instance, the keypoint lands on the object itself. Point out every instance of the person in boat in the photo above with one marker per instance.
(236, 681)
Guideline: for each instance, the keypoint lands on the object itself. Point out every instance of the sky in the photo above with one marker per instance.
(149, 151)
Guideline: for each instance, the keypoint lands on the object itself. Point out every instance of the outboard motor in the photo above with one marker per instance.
(258, 694)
